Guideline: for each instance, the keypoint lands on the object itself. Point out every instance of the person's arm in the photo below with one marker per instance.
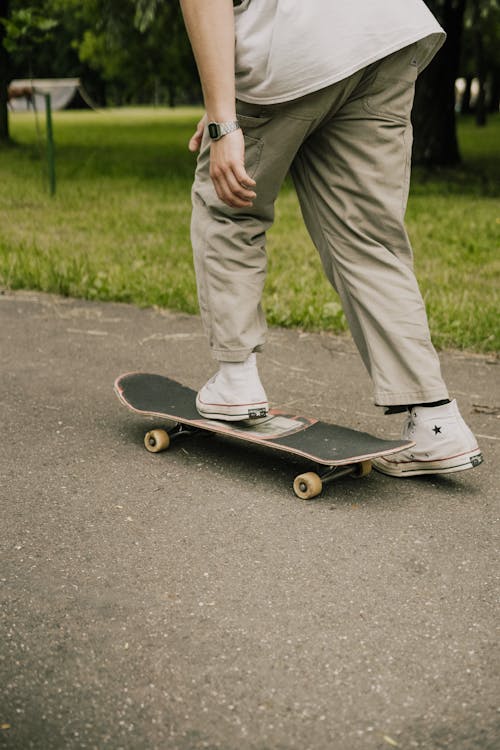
(210, 26)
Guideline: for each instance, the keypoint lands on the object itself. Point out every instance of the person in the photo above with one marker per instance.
(322, 91)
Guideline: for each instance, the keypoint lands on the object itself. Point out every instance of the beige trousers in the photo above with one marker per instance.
(348, 149)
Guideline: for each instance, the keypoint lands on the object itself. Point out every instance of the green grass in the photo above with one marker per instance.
(118, 227)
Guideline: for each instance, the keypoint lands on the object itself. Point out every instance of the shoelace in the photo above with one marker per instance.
(410, 426)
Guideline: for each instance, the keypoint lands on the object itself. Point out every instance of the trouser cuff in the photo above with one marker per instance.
(410, 398)
(235, 355)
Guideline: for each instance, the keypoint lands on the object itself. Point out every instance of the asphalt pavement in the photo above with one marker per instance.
(189, 600)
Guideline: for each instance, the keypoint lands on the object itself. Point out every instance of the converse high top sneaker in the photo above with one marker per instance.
(443, 444)
(234, 393)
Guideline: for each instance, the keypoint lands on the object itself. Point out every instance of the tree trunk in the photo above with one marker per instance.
(494, 103)
(172, 94)
(465, 109)
(480, 64)
(434, 119)
(4, 76)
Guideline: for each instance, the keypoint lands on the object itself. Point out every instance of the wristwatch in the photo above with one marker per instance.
(218, 129)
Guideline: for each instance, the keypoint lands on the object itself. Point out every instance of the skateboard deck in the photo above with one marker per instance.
(336, 450)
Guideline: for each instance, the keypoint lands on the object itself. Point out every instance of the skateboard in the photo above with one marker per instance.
(334, 451)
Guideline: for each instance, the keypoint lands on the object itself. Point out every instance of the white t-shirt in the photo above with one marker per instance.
(289, 48)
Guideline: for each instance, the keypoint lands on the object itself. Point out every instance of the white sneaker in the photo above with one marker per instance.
(234, 393)
(443, 444)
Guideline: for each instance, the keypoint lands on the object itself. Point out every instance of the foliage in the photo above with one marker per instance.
(27, 27)
(481, 49)
(145, 13)
(137, 48)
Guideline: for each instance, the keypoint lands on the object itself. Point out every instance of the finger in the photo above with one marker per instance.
(239, 188)
(242, 177)
(197, 137)
(230, 189)
(226, 193)
(195, 140)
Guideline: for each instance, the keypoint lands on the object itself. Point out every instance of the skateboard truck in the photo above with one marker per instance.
(158, 440)
(309, 485)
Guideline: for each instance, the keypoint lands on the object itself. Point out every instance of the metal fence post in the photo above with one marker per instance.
(50, 145)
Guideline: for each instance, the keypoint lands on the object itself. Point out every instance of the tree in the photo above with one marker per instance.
(4, 72)
(481, 57)
(434, 117)
(21, 28)
(138, 47)
(124, 50)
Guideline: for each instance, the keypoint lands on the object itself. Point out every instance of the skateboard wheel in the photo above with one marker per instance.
(362, 469)
(156, 441)
(306, 486)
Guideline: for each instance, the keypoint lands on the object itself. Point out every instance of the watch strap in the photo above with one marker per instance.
(217, 130)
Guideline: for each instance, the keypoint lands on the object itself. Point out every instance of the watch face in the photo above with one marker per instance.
(213, 130)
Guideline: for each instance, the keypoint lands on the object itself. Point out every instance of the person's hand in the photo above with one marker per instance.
(232, 183)
(195, 140)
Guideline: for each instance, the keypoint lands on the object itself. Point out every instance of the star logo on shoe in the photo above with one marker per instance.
(436, 430)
